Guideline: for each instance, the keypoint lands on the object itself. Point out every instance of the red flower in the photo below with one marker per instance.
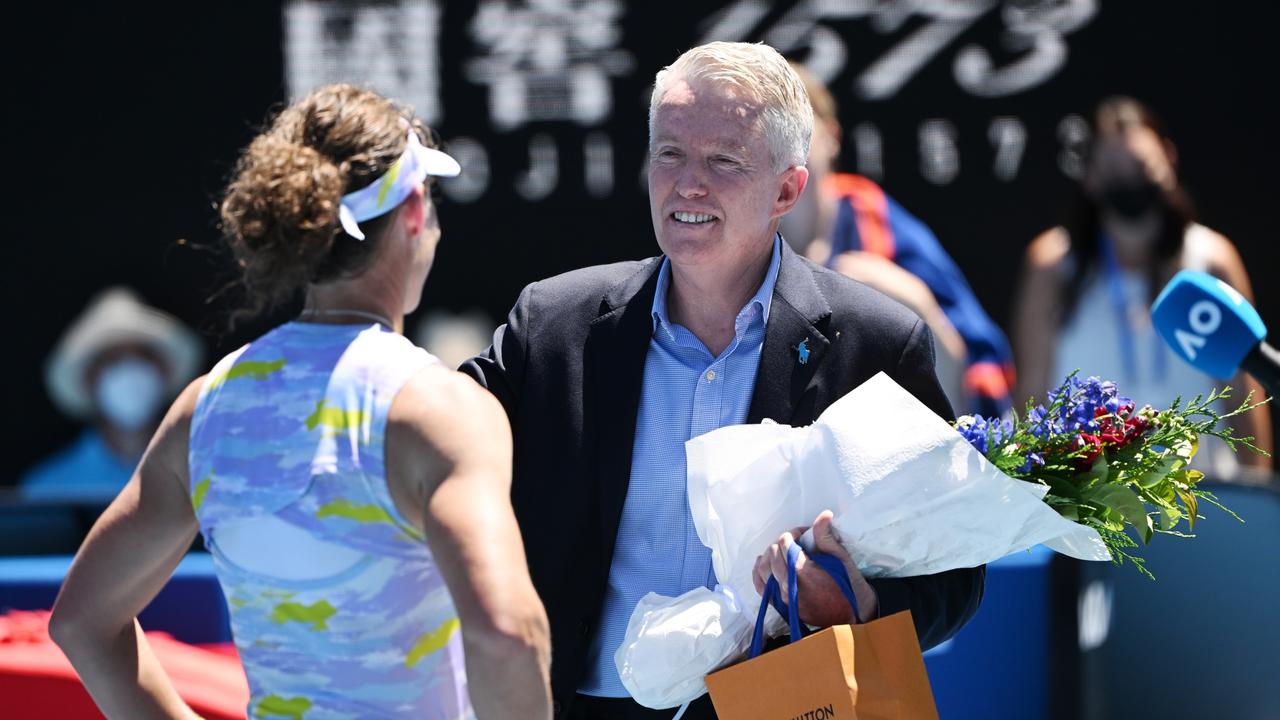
(1092, 446)
(1119, 429)
(1134, 427)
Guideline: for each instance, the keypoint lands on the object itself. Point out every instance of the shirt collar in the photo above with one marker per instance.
(762, 300)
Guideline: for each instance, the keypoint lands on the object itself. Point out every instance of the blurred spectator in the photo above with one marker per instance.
(116, 367)
(851, 225)
(454, 338)
(1087, 289)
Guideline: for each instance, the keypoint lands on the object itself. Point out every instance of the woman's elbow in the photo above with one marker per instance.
(521, 631)
(75, 624)
(67, 627)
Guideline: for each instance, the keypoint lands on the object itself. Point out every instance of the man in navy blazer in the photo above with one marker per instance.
(606, 371)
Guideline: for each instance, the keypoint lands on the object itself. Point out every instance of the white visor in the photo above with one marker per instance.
(387, 192)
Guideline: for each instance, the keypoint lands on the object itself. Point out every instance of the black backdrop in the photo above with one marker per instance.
(122, 124)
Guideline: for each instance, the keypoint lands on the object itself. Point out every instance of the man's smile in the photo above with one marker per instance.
(693, 218)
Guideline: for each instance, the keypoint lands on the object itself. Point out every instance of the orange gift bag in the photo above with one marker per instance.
(866, 671)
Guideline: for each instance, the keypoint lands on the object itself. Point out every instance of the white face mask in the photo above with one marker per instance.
(129, 392)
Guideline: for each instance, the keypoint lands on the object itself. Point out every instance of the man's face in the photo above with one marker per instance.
(714, 196)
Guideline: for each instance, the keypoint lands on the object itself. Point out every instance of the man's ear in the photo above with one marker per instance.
(794, 180)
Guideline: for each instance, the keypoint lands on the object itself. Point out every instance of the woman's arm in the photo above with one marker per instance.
(449, 467)
(126, 559)
(1225, 264)
(1037, 316)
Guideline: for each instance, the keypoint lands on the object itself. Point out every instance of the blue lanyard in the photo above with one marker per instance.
(1120, 304)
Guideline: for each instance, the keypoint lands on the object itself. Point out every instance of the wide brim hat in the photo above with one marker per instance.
(116, 316)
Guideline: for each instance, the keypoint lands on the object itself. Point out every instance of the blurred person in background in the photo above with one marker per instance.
(116, 367)
(848, 223)
(353, 491)
(454, 338)
(1087, 286)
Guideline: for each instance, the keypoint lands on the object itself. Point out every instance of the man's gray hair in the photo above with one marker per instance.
(761, 74)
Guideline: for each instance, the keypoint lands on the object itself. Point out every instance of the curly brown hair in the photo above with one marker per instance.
(280, 211)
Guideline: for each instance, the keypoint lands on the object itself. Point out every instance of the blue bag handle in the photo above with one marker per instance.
(834, 567)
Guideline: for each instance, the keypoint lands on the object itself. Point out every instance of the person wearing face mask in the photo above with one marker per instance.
(116, 366)
(1087, 286)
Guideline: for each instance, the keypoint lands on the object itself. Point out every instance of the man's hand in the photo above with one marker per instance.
(821, 602)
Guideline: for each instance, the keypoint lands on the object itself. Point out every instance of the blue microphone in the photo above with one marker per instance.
(1209, 324)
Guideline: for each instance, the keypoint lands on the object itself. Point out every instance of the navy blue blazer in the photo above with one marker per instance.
(568, 367)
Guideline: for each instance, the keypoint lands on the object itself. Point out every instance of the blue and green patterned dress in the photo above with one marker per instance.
(337, 607)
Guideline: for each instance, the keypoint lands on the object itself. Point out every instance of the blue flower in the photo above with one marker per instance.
(1117, 403)
(1040, 424)
(1003, 432)
(1034, 460)
(983, 433)
(1093, 391)
(974, 430)
(1082, 418)
(1080, 401)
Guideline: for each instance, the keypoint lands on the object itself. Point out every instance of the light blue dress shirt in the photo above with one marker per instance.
(686, 393)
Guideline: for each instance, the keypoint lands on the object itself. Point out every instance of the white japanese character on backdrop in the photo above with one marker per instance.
(548, 59)
(392, 47)
(1034, 30)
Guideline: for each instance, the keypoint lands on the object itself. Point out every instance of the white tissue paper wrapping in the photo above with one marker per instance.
(672, 643)
(909, 494)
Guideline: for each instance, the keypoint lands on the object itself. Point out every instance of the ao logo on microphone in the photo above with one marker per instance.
(1204, 318)
(1207, 322)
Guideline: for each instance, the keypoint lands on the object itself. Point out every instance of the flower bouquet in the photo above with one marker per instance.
(1107, 463)
(912, 496)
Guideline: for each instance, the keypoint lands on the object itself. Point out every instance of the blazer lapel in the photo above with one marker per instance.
(617, 345)
(794, 346)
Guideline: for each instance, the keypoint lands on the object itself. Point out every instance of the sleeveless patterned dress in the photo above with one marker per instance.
(337, 607)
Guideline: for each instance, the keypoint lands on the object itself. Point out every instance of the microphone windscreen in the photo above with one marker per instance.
(1207, 322)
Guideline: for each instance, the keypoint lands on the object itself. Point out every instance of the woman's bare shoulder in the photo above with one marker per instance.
(439, 406)
(1049, 250)
(1218, 255)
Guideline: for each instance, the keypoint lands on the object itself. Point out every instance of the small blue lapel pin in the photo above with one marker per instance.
(802, 352)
